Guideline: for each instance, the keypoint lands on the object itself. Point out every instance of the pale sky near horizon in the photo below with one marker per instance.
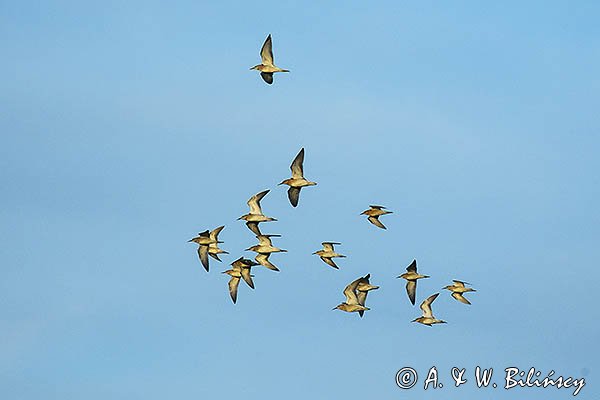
(128, 127)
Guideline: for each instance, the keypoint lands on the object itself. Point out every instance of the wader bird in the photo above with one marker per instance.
(264, 248)
(255, 216)
(328, 253)
(213, 248)
(362, 289)
(297, 181)
(411, 277)
(351, 304)
(428, 318)
(458, 289)
(267, 66)
(240, 269)
(373, 215)
(203, 240)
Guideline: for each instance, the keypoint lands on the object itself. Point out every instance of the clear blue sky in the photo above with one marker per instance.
(128, 127)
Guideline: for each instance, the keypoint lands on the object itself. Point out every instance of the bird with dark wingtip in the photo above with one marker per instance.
(267, 66)
(411, 277)
(327, 253)
(458, 288)
(374, 213)
(428, 318)
(256, 216)
(204, 240)
(297, 181)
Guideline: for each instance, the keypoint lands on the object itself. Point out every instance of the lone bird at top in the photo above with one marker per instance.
(428, 318)
(267, 67)
(255, 216)
(458, 288)
(373, 214)
(297, 181)
(411, 277)
(328, 253)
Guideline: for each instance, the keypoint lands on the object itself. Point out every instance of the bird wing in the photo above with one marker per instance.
(264, 240)
(426, 305)
(329, 261)
(375, 221)
(233, 288)
(263, 259)
(461, 298)
(297, 165)
(247, 277)
(350, 292)
(412, 267)
(362, 298)
(214, 234)
(267, 77)
(204, 234)
(376, 207)
(254, 202)
(253, 226)
(294, 195)
(328, 246)
(460, 283)
(203, 253)
(214, 255)
(266, 52)
(411, 290)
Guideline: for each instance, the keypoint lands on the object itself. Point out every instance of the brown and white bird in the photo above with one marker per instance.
(362, 289)
(240, 268)
(351, 304)
(204, 240)
(328, 253)
(297, 181)
(256, 216)
(411, 277)
(213, 248)
(428, 318)
(267, 66)
(458, 288)
(265, 248)
(374, 213)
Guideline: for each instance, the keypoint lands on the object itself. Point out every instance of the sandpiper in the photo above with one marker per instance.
(428, 318)
(203, 240)
(373, 215)
(263, 259)
(245, 265)
(351, 304)
(458, 289)
(328, 253)
(236, 274)
(297, 181)
(255, 216)
(267, 66)
(411, 277)
(264, 248)
(362, 289)
(213, 248)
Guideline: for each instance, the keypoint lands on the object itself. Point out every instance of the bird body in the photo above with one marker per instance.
(265, 246)
(428, 318)
(213, 248)
(297, 181)
(458, 288)
(328, 253)
(374, 213)
(362, 289)
(267, 66)
(204, 240)
(411, 277)
(353, 303)
(256, 215)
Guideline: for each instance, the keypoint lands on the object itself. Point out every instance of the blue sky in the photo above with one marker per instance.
(128, 127)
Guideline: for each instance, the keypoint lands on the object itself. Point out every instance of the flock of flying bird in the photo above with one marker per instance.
(355, 293)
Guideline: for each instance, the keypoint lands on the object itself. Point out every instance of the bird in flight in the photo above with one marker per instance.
(240, 269)
(264, 248)
(328, 253)
(373, 214)
(267, 66)
(255, 216)
(411, 277)
(213, 248)
(458, 288)
(428, 318)
(297, 181)
(352, 303)
(204, 240)
(362, 289)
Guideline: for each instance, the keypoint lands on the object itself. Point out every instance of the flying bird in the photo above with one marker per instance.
(265, 248)
(458, 288)
(362, 289)
(267, 66)
(351, 304)
(411, 277)
(244, 265)
(428, 318)
(374, 213)
(213, 248)
(328, 253)
(255, 216)
(204, 240)
(297, 181)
